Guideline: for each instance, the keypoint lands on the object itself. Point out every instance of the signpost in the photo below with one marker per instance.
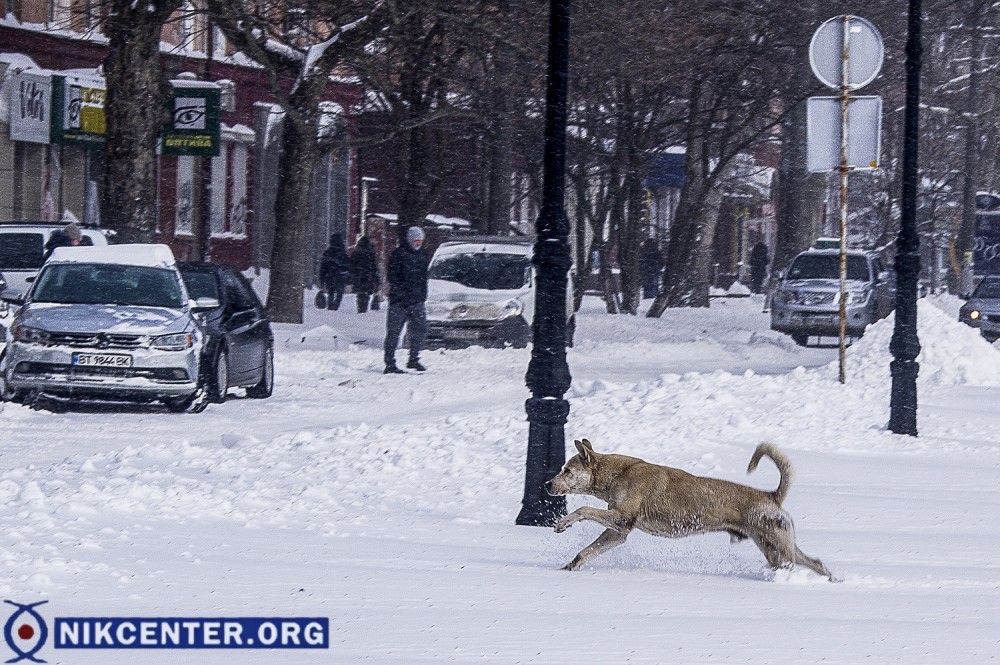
(843, 132)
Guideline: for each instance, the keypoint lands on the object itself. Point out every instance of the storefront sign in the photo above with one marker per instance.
(194, 126)
(78, 110)
(31, 107)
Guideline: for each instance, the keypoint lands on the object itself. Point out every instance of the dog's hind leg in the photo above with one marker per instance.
(609, 539)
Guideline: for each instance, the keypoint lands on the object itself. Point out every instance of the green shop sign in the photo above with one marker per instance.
(194, 126)
(78, 110)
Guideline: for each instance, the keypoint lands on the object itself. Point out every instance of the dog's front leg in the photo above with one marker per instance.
(607, 540)
(609, 519)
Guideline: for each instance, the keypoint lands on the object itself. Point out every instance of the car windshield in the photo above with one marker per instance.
(988, 289)
(483, 270)
(102, 283)
(201, 284)
(21, 251)
(827, 266)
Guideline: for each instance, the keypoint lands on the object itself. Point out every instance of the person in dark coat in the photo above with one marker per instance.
(364, 272)
(758, 266)
(650, 264)
(334, 270)
(68, 236)
(407, 275)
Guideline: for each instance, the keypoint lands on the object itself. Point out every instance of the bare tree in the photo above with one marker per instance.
(135, 110)
(300, 55)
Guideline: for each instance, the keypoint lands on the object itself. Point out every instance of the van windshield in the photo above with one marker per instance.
(103, 284)
(483, 270)
(827, 266)
(21, 251)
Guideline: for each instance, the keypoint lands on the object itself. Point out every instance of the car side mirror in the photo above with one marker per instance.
(203, 304)
(12, 298)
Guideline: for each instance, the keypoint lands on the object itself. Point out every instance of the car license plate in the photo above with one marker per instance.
(102, 360)
(461, 333)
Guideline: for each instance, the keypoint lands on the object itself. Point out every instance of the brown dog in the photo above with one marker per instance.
(664, 501)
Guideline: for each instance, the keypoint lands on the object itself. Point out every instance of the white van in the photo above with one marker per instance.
(22, 251)
(481, 291)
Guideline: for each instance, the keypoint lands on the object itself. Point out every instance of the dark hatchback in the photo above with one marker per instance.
(239, 352)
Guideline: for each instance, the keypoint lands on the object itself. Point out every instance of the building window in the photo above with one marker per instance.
(238, 192)
(184, 222)
(218, 214)
(186, 26)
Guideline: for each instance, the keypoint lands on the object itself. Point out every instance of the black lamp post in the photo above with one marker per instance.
(548, 376)
(904, 345)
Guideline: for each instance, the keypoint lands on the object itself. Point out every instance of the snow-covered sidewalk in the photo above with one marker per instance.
(387, 502)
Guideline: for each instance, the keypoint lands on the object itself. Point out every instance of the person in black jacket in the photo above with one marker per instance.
(68, 236)
(650, 265)
(758, 266)
(334, 268)
(407, 276)
(364, 272)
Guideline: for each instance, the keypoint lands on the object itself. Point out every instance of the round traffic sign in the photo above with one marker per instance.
(850, 37)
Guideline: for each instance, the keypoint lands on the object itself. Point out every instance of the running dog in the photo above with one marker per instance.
(664, 501)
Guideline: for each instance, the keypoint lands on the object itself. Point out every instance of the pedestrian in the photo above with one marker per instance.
(758, 266)
(334, 270)
(407, 276)
(650, 264)
(364, 272)
(68, 236)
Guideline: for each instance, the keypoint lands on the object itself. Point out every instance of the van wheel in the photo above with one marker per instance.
(801, 339)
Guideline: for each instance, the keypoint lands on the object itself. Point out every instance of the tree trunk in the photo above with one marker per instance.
(135, 110)
(795, 212)
(298, 158)
(630, 241)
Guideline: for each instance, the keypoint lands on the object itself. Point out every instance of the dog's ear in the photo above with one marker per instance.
(586, 451)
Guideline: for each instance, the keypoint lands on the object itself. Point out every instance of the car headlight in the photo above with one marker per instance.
(175, 342)
(783, 297)
(974, 314)
(28, 335)
(859, 296)
(512, 307)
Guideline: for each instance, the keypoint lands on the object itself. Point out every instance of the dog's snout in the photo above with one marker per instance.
(548, 487)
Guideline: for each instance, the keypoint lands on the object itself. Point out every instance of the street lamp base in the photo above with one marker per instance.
(903, 397)
(546, 456)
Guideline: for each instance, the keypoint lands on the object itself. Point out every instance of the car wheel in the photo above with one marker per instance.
(7, 394)
(801, 339)
(266, 385)
(218, 383)
(196, 402)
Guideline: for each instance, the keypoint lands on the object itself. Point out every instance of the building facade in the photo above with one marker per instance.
(51, 137)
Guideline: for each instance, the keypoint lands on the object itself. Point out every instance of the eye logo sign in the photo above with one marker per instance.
(189, 112)
(25, 632)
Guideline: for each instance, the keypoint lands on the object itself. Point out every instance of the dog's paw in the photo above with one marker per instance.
(572, 565)
(564, 523)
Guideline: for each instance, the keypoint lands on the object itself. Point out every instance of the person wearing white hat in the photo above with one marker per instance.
(407, 276)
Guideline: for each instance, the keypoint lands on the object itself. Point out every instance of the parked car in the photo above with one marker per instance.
(806, 301)
(22, 250)
(482, 291)
(108, 323)
(239, 344)
(982, 309)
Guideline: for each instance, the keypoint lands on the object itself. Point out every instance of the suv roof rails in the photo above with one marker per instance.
(493, 240)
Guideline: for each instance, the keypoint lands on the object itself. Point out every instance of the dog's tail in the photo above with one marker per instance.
(784, 468)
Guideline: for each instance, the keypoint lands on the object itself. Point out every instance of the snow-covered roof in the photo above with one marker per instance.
(158, 256)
